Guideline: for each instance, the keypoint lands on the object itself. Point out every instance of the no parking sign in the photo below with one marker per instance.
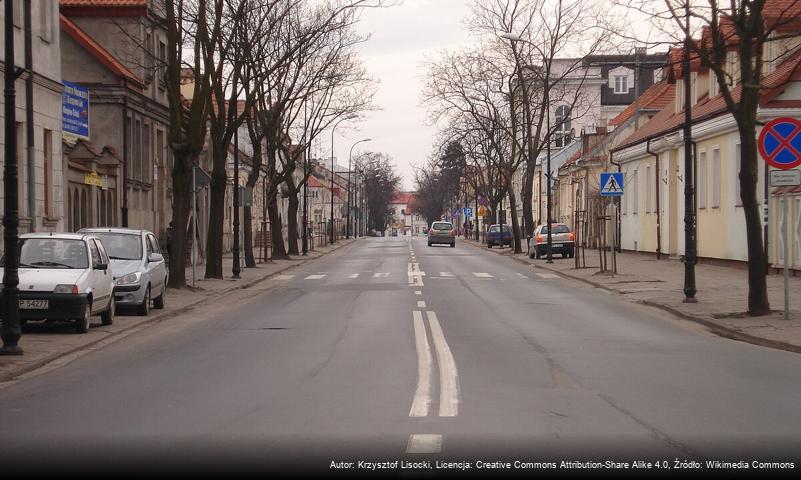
(780, 143)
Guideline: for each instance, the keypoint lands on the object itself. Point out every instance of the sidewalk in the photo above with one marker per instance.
(722, 293)
(44, 343)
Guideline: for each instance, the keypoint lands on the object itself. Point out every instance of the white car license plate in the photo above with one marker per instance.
(557, 245)
(34, 304)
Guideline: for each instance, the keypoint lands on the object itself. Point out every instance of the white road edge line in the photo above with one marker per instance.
(448, 376)
(421, 304)
(422, 395)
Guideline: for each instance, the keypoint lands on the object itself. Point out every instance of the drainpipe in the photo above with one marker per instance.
(30, 157)
(125, 157)
(658, 214)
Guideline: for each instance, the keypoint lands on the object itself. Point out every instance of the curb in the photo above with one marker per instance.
(713, 327)
(157, 318)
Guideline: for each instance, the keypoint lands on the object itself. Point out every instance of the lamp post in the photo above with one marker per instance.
(689, 188)
(350, 158)
(235, 250)
(11, 328)
(305, 240)
(348, 117)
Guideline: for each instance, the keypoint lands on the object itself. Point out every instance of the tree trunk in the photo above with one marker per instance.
(276, 229)
(515, 222)
(292, 223)
(181, 196)
(757, 284)
(527, 192)
(247, 236)
(214, 238)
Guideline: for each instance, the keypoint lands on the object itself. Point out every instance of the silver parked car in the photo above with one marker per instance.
(140, 273)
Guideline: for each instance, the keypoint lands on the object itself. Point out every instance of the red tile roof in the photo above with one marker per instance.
(104, 8)
(669, 120)
(314, 182)
(403, 197)
(97, 51)
(654, 99)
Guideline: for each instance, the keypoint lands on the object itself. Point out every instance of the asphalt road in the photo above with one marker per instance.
(391, 350)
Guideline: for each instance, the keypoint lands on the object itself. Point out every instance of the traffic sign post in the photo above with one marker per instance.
(612, 184)
(780, 146)
(468, 212)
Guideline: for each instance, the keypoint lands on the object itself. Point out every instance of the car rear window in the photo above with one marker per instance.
(442, 226)
(556, 229)
(495, 228)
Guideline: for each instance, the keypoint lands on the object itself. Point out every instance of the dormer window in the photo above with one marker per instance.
(621, 84)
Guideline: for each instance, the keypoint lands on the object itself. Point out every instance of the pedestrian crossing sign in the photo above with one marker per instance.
(612, 184)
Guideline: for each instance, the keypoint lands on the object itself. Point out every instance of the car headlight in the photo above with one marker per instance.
(130, 279)
(64, 288)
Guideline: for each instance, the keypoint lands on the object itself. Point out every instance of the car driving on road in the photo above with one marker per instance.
(64, 277)
(442, 232)
(562, 241)
(140, 273)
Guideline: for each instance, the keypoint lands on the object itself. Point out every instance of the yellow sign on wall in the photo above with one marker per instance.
(93, 179)
(482, 211)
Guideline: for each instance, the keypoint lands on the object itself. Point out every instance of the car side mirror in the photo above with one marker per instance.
(155, 257)
(101, 266)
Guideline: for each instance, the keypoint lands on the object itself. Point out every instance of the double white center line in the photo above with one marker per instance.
(448, 375)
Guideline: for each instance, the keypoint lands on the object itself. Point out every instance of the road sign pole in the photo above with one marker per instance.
(786, 256)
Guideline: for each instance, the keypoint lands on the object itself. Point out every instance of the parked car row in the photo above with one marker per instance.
(72, 276)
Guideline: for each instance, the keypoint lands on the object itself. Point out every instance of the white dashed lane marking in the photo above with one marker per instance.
(547, 275)
(424, 443)
(353, 275)
(446, 274)
(381, 275)
(421, 304)
(482, 275)
(315, 277)
(283, 277)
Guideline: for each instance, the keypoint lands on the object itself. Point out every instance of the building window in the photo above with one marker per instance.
(621, 84)
(162, 81)
(45, 21)
(47, 154)
(635, 192)
(563, 125)
(702, 181)
(648, 189)
(147, 176)
(17, 6)
(137, 153)
(737, 164)
(716, 178)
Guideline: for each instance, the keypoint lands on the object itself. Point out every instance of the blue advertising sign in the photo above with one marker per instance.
(75, 110)
(612, 184)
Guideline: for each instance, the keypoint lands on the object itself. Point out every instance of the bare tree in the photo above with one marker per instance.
(190, 26)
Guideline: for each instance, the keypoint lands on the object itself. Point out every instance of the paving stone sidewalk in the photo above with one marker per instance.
(43, 343)
(722, 293)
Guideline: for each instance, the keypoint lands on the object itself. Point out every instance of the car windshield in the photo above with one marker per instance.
(442, 226)
(556, 229)
(51, 253)
(121, 246)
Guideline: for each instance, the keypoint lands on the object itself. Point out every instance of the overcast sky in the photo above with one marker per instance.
(402, 38)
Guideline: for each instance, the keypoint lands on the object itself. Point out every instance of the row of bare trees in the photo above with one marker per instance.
(281, 70)
(493, 98)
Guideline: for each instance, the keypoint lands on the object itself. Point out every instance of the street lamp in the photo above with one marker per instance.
(11, 327)
(347, 117)
(689, 187)
(350, 158)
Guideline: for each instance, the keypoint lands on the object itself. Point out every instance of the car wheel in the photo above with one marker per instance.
(453, 244)
(144, 308)
(107, 317)
(158, 302)
(82, 324)
(571, 254)
(429, 244)
(489, 245)
(564, 254)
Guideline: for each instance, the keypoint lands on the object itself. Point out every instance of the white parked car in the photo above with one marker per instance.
(140, 273)
(64, 276)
